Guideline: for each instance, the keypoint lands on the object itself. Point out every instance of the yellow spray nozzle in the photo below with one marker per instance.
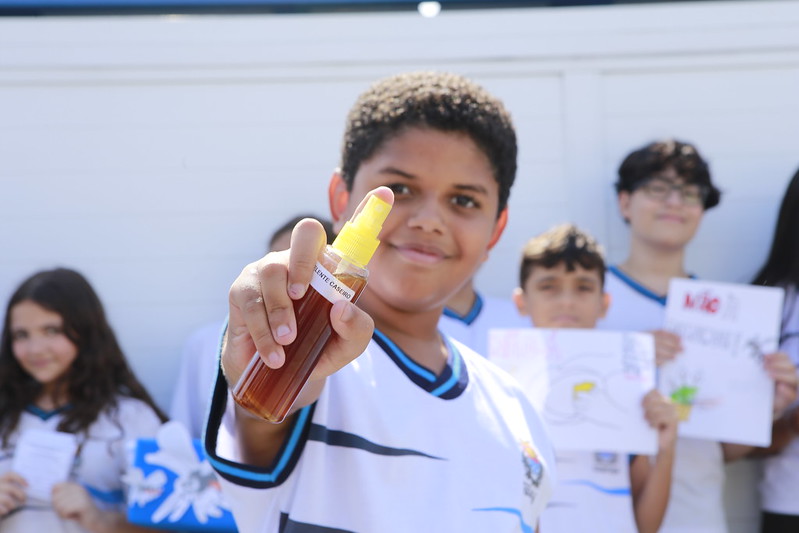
(358, 240)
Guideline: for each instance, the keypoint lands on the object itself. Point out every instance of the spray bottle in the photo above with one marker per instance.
(340, 273)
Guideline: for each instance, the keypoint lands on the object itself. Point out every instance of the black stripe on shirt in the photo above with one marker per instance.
(287, 525)
(334, 437)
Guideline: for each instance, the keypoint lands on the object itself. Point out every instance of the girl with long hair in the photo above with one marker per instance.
(781, 471)
(62, 370)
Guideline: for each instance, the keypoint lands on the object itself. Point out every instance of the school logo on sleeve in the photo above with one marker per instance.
(534, 470)
(537, 490)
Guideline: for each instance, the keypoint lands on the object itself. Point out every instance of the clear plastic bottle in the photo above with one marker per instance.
(340, 273)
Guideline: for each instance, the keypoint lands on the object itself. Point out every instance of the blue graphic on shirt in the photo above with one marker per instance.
(623, 491)
(526, 528)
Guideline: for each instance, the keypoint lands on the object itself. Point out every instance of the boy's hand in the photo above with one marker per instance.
(783, 372)
(262, 311)
(12, 492)
(667, 346)
(661, 414)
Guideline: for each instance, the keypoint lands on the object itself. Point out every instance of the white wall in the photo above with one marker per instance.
(156, 154)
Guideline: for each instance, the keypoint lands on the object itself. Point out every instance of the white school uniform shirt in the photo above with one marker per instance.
(99, 467)
(779, 488)
(486, 313)
(592, 494)
(696, 502)
(196, 377)
(390, 447)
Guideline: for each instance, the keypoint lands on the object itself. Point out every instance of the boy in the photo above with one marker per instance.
(561, 286)
(398, 429)
(663, 191)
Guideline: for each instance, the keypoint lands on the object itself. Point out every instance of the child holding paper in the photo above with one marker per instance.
(561, 286)
(780, 484)
(62, 374)
(664, 189)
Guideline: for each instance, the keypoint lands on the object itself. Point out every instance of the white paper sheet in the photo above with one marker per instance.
(722, 391)
(587, 384)
(44, 458)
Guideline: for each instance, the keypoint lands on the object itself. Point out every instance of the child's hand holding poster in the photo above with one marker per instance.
(718, 382)
(587, 384)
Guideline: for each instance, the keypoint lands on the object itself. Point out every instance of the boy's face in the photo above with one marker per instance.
(669, 222)
(555, 298)
(443, 222)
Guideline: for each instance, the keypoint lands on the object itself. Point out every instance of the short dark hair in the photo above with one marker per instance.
(683, 157)
(563, 244)
(441, 101)
(293, 221)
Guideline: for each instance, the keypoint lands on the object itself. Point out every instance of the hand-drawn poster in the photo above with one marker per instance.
(718, 381)
(587, 384)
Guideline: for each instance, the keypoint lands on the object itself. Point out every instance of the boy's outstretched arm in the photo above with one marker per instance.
(651, 481)
(262, 320)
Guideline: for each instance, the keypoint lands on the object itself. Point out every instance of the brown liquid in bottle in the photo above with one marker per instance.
(270, 393)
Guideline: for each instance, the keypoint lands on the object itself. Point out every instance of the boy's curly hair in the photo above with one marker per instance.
(442, 101)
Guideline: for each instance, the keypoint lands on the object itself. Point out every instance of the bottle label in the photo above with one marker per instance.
(329, 286)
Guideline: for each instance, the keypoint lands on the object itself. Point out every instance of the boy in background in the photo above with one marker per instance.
(663, 192)
(562, 286)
